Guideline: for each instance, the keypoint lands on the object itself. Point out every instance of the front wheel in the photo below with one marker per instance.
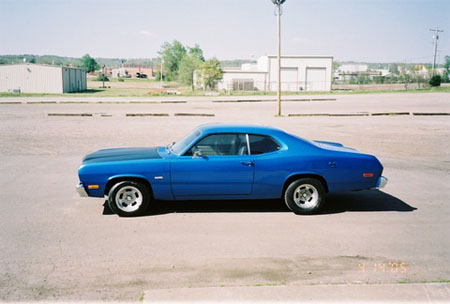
(305, 196)
(129, 198)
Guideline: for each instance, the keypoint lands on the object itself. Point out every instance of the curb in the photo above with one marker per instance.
(70, 114)
(132, 114)
(351, 114)
(329, 114)
(306, 115)
(391, 113)
(431, 114)
(368, 114)
(41, 102)
(147, 114)
(273, 100)
(289, 115)
(193, 114)
(173, 101)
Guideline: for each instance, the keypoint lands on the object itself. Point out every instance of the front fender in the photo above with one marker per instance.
(159, 184)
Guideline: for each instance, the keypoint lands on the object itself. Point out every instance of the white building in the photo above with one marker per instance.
(352, 68)
(383, 72)
(37, 78)
(348, 70)
(298, 73)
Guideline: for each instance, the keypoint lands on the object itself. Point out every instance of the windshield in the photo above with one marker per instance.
(179, 146)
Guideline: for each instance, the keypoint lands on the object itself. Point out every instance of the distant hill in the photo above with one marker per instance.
(234, 63)
(384, 65)
(117, 62)
(109, 62)
(70, 61)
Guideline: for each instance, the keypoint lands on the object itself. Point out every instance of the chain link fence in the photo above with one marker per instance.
(296, 86)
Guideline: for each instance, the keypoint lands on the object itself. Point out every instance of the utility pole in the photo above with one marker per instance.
(436, 38)
(103, 76)
(161, 74)
(278, 3)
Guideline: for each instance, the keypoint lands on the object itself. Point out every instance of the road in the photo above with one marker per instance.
(58, 246)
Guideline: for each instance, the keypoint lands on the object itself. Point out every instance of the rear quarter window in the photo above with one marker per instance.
(260, 144)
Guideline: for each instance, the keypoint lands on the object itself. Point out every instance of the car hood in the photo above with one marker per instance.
(121, 154)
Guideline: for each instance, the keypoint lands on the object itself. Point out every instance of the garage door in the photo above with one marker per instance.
(289, 79)
(316, 79)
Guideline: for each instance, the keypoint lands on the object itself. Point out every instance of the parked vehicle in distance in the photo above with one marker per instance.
(141, 75)
(225, 161)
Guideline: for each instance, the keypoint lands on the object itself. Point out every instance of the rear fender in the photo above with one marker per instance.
(305, 174)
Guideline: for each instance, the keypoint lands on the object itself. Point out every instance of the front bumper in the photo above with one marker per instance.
(81, 191)
(382, 182)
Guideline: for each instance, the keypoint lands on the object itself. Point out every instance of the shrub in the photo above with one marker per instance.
(435, 81)
(102, 78)
(121, 79)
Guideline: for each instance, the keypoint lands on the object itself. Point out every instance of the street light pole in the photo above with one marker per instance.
(279, 58)
(278, 3)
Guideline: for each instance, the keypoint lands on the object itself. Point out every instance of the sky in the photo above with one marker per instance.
(349, 30)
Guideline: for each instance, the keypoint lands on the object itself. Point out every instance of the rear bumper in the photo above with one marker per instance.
(382, 182)
(81, 191)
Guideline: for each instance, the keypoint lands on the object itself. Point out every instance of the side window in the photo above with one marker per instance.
(260, 144)
(221, 145)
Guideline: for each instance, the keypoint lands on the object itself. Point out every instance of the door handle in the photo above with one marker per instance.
(247, 163)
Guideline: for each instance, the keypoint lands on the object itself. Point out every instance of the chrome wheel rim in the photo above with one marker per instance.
(129, 199)
(306, 196)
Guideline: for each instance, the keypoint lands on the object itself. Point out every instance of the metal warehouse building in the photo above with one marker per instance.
(298, 73)
(36, 78)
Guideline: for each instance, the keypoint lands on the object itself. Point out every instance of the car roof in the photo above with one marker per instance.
(238, 128)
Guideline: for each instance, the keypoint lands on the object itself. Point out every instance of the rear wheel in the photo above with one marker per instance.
(305, 196)
(129, 198)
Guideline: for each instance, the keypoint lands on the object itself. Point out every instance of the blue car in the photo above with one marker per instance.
(227, 161)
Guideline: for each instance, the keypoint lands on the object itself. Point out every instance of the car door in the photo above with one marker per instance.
(217, 165)
(271, 167)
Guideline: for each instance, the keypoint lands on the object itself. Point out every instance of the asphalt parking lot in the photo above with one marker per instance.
(58, 246)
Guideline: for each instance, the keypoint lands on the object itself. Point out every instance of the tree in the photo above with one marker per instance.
(445, 76)
(187, 66)
(211, 73)
(336, 66)
(89, 64)
(172, 53)
(197, 51)
(393, 69)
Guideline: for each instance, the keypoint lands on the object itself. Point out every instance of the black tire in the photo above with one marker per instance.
(309, 194)
(133, 199)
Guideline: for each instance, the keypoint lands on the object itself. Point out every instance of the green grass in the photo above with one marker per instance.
(125, 80)
(141, 297)
(144, 92)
